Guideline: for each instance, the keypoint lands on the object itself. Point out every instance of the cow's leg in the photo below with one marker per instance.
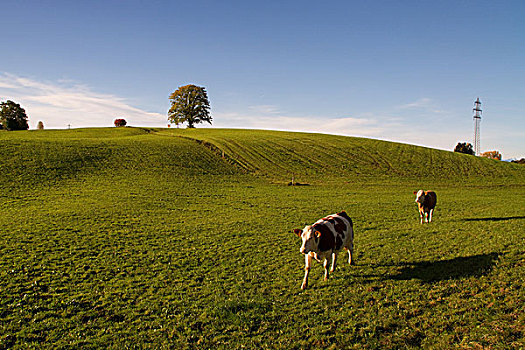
(430, 215)
(426, 216)
(334, 260)
(351, 253)
(325, 264)
(421, 216)
(307, 261)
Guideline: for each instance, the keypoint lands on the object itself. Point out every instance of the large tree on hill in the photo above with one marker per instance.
(12, 116)
(464, 147)
(189, 104)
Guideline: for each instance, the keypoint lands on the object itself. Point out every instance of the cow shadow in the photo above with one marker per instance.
(434, 271)
(496, 219)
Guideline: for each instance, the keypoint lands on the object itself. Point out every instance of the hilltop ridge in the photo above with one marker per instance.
(274, 155)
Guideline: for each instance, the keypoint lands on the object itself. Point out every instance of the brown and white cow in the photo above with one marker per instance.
(426, 202)
(324, 239)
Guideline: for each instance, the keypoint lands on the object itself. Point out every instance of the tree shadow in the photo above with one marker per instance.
(472, 266)
(496, 219)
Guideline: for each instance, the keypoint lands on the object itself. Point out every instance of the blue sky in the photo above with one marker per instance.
(406, 71)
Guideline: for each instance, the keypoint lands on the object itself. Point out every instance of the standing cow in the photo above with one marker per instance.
(426, 202)
(324, 239)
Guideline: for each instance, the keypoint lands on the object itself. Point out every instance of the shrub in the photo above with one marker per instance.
(464, 147)
(492, 155)
(120, 122)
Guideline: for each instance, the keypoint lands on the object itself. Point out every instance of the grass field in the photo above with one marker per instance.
(180, 239)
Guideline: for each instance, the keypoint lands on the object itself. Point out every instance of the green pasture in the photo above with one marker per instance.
(180, 239)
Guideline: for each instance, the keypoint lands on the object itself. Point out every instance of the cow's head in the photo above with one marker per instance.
(310, 239)
(420, 196)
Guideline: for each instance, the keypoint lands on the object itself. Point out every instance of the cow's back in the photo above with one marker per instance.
(430, 199)
(336, 230)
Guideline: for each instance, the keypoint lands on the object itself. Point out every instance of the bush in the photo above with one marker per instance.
(464, 148)
(492, 155)
(40, 125)
(120, 122)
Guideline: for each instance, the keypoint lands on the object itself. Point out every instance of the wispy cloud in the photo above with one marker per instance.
(58, 104)
(422, 105)
(265, 109)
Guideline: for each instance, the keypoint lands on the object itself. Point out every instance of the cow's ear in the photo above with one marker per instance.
(298, 231)
(415, 192)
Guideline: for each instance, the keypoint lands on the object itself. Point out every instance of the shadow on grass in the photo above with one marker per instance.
(495, 219)
(472, 266)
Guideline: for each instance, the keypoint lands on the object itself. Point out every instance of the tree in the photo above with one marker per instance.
(12, 116)
(491, 155)
(120, 122)
(464, 148)
(189, 104)
(40, 125)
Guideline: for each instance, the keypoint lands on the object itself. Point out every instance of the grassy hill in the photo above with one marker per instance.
(320, 156)
(273, 155)
(167, 238)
